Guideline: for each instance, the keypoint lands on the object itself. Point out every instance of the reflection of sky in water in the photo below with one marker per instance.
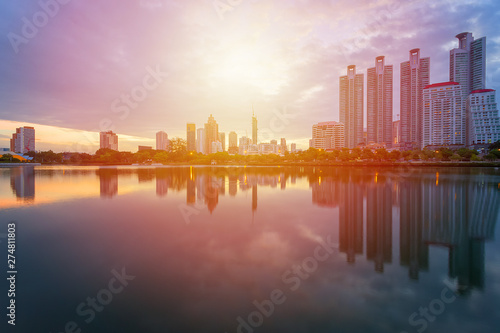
(204, 243)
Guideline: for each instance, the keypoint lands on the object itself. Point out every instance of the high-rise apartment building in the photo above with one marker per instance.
(328, 135)
(191, 137)
(468, 63)
(483, 118)
(23, 140)
(162, 141)
(351, 106)
(108, 140)
(415, 75)
(200, 141)
(379, 102)
(443, 118)
(211, 134)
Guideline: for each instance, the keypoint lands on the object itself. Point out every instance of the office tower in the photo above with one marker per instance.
(351, 106)
(162, 141)
(379, 103)
(108, 140)
(483, 118)
(468, 63)
(283, 147)
(396, 132)
(415, 75)
(444, 117)
(200, 141)
(274, 142)
(191, 137)
(211, 134)
(23, 140)
(222, 139)
(293, 147)
(244, 141)
(328, 135)
(233, 139)
(254, 128)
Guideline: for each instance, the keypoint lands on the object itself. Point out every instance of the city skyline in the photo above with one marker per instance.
(302, 63)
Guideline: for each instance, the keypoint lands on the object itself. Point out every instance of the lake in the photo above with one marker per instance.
(252, 249)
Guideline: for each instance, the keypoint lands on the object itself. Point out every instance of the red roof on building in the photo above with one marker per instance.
(482, 91)
(442, 84)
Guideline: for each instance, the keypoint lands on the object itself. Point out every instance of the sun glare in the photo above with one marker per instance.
(251, 66)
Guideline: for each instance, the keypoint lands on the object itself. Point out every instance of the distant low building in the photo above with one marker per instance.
(328, 136)
(108, 140)
(23, 140)
(142, 148)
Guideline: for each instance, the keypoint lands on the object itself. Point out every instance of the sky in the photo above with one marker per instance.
(140, 66)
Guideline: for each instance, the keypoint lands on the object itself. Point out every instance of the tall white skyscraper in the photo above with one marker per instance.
(351, 106)
(483, 118)
(444, 118)
(162, 141)
(200, 140)
(379, 102)
(415, 75)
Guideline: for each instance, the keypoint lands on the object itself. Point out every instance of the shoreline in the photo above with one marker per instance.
(446, 164)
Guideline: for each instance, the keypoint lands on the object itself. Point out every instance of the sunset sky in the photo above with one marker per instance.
(187, 59)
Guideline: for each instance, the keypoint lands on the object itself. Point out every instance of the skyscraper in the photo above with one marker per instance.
(468, 63)
(233, 139)
(162, 141)
(200, 141)
(351, 106)
(108, 140)
(415, 75)
(222, 139)
(211, 134)
(191, 137)
(483, 118)
(444, 117)
(379, 102)
(254, 128)
(23, 140)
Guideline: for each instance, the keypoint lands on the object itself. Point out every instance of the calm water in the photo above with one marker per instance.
(215, 249)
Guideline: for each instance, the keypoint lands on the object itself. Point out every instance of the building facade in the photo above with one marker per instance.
(108, 140)
(23, 140)
(415, 75)
(254, 129)
(443, 118)
(162, 141)
(191, 137)
(222, 140)
(483, 118)
(200, 141)
(211, 134)
(379, 102)
(351, 92)
(328, 136)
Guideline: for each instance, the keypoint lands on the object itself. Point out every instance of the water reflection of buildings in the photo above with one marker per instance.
(448, 211)
(22, 182)
(108, 181)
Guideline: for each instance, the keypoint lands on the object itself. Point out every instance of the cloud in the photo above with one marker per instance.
(89, 54)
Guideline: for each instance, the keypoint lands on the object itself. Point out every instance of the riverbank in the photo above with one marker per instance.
(443, 164)
(11, 165)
